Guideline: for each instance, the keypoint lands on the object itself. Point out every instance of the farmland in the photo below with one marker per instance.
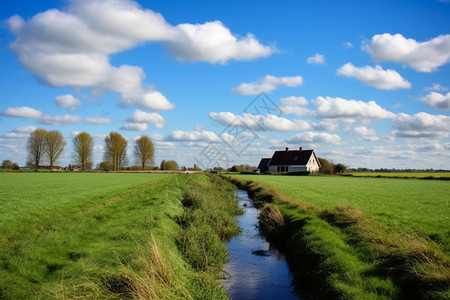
(111, 236)
(419, 205)
(360, 237)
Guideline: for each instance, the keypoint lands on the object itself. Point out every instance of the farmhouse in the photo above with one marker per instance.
(290, 161)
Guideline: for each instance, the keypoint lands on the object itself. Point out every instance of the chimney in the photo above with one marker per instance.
(287, 149)
(300, 149)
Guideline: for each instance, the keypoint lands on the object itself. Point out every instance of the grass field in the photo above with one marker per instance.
(443, 175)
(360, 237)
(422, 206)
(111, 236)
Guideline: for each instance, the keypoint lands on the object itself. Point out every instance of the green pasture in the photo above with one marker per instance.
(422, 206)
(112, 236)
(403, 175)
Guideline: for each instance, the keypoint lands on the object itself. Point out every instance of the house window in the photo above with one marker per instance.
(287, 169)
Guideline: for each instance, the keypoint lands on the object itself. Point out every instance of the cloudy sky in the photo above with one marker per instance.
(365, 83)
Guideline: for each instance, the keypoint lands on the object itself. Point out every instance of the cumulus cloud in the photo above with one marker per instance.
(39, 116)
(214, 43)
(42, 118)
(98, 120)
(259, 122)
(421, 56)
(334, 108)
(67, 101)
(310, 137)
(135, 127)
(267, 84)
(193, 135)
(437, 100)
(325, 126)
(436, 87)
(20, 132)
(81, 59)
(361, 130)
(140, 116)
(295, 105)
(152, 100)
(376, 77)
(317, 59)
(421, 125)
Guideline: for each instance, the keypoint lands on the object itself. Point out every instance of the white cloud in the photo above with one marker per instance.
(314, 137)
(135, 126)
(214, 43)
(98, 120)
(325, 126)
(22, 112)
(421, 125)
(193, 135)
(267, 84)
(67, 101)
(140, 116)
(317, 59)
(259, 122)
(295, 105)
(437, 100)
(421, 56)
(361, 130)
(81, 59)
(436, 87)
(328, 107)
(152, 100)
(39, 116)
(20, 132)
(376, 77)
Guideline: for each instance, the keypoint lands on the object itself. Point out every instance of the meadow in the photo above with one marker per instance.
(421, 206)
(359, 237)
(113, 236)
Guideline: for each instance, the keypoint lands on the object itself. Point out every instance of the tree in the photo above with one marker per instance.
(6, 164)
(326, 167)
(36, 146)
(54, 146)
(83, 145)
(144, 151)
(340, 168)
(169, 165)
(116, 150)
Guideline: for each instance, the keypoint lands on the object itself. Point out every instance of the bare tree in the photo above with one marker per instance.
(116, 150)
(36, 147)
(144, 151)
(83, 145)
(54, 147)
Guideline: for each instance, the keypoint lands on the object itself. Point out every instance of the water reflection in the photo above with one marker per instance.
(255, 270)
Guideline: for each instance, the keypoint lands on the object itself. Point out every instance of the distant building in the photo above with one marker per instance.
(264, 165)
(290, 161)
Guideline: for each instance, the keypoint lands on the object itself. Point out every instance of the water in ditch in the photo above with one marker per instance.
(255, 271)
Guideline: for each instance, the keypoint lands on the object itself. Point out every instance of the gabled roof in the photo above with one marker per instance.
(264, 163)
(291, 158)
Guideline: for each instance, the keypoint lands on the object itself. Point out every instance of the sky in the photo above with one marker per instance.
(218, 83)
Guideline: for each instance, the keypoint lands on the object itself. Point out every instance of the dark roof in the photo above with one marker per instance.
(291, 157)
(263, 163)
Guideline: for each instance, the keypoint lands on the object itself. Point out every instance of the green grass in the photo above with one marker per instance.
(360, 238)
(99, 236)
(422, 206)
(403, 175)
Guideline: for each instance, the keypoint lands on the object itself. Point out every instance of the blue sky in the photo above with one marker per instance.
(365, 83)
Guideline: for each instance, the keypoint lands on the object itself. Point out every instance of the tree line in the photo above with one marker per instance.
(43, 145)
